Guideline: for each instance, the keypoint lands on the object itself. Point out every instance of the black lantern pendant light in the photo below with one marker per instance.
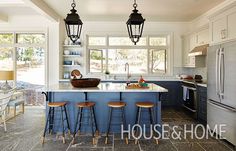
(73, 24)
(135, 24)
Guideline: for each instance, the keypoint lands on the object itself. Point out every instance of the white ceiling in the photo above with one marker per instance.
(17, 10)
(152, 10)
(118, 10)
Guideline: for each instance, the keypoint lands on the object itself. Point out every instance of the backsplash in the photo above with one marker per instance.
(191, 71)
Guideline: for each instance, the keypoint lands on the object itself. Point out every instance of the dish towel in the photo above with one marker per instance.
(185, 93)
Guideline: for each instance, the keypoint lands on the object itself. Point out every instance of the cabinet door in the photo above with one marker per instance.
(232, 25)
(203, 37)
(219, 29)
(186, 59)
(193, 41)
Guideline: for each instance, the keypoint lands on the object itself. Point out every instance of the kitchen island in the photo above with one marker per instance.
(101, 95)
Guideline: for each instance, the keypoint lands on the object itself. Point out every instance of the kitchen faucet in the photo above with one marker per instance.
(127, 69)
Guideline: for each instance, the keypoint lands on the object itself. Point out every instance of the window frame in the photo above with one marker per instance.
(168, 48)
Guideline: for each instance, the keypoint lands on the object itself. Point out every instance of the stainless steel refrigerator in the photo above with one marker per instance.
(221, 88)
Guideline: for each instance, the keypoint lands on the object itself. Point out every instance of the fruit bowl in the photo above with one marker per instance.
(85, 82)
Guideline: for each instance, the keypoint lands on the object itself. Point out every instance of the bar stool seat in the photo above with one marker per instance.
(86, 104)
(116, 104)
(145, 104)
(56, 104)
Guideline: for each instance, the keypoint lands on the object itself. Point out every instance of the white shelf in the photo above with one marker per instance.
(71, 66)
(72, 46)
(72, 55)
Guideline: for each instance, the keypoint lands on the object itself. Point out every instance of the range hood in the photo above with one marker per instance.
(199, 50)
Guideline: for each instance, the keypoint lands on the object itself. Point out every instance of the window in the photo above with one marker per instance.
(135, 57)
(6, 38)
(6, 58)
(30, 38)
(149, 56)
(125, 41)
(97, 41)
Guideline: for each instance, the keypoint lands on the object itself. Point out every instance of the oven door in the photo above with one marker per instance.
(190, 102)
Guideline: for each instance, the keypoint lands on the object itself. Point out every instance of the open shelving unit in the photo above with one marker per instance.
(73, 54)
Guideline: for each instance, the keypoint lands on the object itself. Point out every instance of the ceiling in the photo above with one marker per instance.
(118, 10)
(152, 10)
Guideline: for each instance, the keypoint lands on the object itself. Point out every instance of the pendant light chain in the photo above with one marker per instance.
(73, 5)
(135, 5)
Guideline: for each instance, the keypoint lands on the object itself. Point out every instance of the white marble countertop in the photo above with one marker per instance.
(103, 87)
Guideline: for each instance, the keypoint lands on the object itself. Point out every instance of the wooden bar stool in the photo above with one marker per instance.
(115, 105)
(149, 106)
(92, 117)
(50, 119)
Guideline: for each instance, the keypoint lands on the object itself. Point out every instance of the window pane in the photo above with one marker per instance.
(125, 41)
(30, 65)
(158, 61)
(30, 38)
(96, 61)
(137, 59)
(97, 41)
(6, 39)
(6, 58)
(158, 41)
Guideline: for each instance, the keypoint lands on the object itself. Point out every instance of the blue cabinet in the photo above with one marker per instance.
(174, 95)
(202, 104)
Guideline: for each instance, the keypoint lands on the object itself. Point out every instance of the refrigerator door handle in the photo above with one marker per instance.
(226, 108)
(222, 73)
(217, 71)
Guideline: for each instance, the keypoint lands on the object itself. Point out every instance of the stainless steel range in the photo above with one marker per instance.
(190, 96)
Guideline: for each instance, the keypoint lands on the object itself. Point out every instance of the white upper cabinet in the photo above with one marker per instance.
(219, 29)
(222, 26)
(203, 37)
(232, 25)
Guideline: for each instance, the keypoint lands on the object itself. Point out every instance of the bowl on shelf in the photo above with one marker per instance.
(67, 62)
(85, 82)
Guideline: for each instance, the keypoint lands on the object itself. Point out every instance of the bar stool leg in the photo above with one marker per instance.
(51, 122)
(67, 120)
(91, 120)
(152, 122)
(138, 122)
(95, 121)
(109, 125)
(76, 123)
(63, 133)
(80, 120)
(46, 125)
(124, 124)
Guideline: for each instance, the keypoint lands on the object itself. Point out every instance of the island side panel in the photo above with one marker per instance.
(102, 110)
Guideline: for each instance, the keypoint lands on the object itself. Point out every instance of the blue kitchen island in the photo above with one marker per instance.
(101, 95)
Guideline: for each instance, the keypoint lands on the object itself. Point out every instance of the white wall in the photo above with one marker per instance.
(34, 23)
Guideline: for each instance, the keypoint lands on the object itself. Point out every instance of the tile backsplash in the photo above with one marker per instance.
(191, 71)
